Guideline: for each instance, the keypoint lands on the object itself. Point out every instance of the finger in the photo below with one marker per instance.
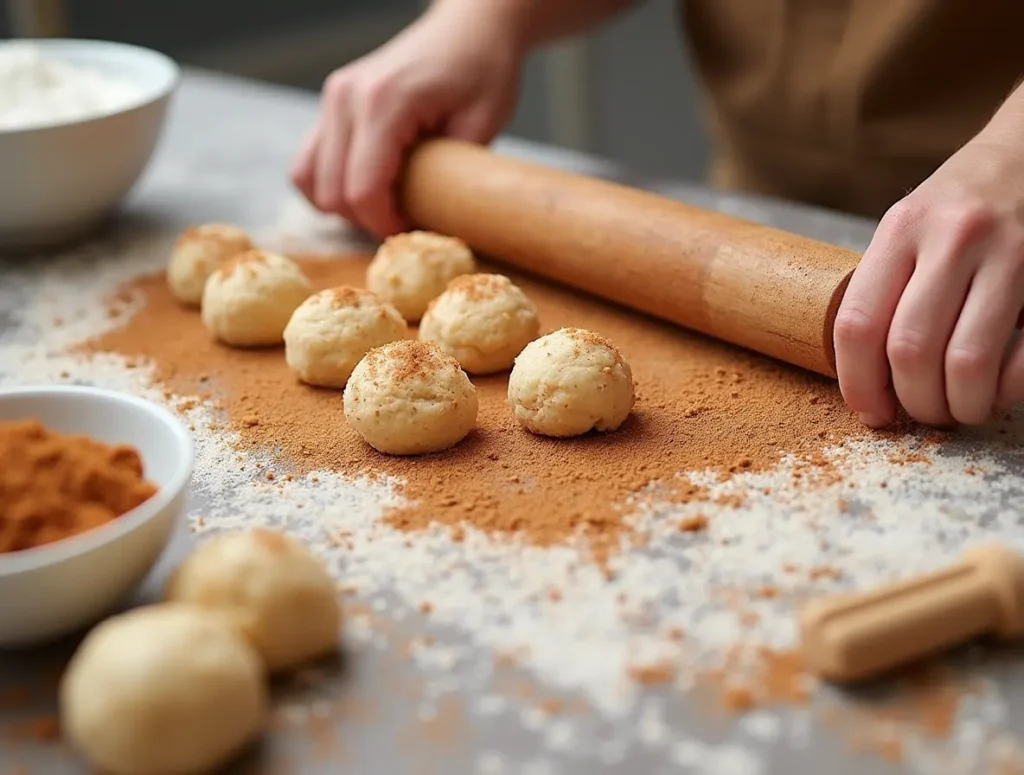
(922, 326)
(862, 323)
(479, 124)
(978, 344)
(303, 168)
(1011, 381)
(332, 156)
(379, 141)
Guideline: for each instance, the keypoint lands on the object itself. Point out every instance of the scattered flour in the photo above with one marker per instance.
(37, 90)
(489, 596)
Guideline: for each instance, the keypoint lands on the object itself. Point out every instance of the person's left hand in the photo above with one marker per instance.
(932, 307)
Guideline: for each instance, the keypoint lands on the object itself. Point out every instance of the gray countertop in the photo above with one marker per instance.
(449, 708)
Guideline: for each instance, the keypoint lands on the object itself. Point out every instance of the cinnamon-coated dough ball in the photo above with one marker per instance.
(410, 270)
(280, 595)
(249, 300)
(569, 382)
(165, 689)
(197, 252)
(332, 330)
(483, 320)
(410, 398)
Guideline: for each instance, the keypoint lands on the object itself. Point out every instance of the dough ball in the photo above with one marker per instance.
(332, 330)
(410, 398)
(197, 253)
(279, 594)
(249, 300)
(483, 320)
(569, 382)
(410, 270)
(165, 689)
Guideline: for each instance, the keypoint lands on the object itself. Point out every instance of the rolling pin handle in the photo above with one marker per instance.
(1004, 570)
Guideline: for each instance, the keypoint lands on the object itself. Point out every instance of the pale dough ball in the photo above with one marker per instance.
(332, 330)
(279, 594)
(410, 270)
(569, 382)
(165, 689)
(197, 252)
(483, 320)
(249, 300)
(410, 398)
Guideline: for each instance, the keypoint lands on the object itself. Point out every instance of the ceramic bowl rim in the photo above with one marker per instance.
(69, 548)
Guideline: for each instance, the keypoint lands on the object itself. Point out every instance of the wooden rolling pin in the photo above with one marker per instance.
(858, 636)
(761, 288)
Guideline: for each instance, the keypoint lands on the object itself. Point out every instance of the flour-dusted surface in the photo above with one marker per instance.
(459, 658)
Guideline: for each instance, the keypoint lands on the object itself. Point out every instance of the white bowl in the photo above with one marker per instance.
(57, 588)
(59, 182)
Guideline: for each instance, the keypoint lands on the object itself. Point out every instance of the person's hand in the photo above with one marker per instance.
(448, 73)
(928, 319)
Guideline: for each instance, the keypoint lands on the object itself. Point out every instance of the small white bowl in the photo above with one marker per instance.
(55, 589)
(59, 182)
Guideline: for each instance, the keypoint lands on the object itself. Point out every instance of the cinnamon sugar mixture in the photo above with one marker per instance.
(700, 406)
(778, 495)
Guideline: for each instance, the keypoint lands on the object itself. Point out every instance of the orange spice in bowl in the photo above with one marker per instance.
(55, 486)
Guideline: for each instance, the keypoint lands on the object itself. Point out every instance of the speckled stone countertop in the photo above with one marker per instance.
(448, 708)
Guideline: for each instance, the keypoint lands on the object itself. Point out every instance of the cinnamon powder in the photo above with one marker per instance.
(54, 486)
(701, 405)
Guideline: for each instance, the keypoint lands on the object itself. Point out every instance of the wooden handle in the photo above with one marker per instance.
(860, 635)
(761, 288)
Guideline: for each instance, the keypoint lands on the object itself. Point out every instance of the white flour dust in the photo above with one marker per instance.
(39, 90)
(880, 522)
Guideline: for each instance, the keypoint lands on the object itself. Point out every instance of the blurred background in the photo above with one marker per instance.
(626, 93)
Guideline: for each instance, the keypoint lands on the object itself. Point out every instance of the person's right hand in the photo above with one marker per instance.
(449, 74)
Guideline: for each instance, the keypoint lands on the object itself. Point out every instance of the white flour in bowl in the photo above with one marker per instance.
(37, 90)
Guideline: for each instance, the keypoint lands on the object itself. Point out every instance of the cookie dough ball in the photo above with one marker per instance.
(280, 595)
(410, 398)
(249, 300)
(166, 689)
(332, 330)
(197, 253)
(410, 270)
(483, 320)
(569, 382)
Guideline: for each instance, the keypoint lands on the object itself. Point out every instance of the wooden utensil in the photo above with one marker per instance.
(857, 636)
(757, 287)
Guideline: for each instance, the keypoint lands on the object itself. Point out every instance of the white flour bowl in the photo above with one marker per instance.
(58, 588)
(61, 178)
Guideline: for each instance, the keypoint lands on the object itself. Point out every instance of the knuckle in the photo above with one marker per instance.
(970, 217)
(966, 222)
(854, 326)
(907, 348)
(361, 196)
(901, 218)
(968, 362)
(338, 85)
(373, 94)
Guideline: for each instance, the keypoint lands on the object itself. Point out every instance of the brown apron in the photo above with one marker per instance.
(848, 104)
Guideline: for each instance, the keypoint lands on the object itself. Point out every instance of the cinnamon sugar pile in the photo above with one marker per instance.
(663, 615)
(701, 405)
